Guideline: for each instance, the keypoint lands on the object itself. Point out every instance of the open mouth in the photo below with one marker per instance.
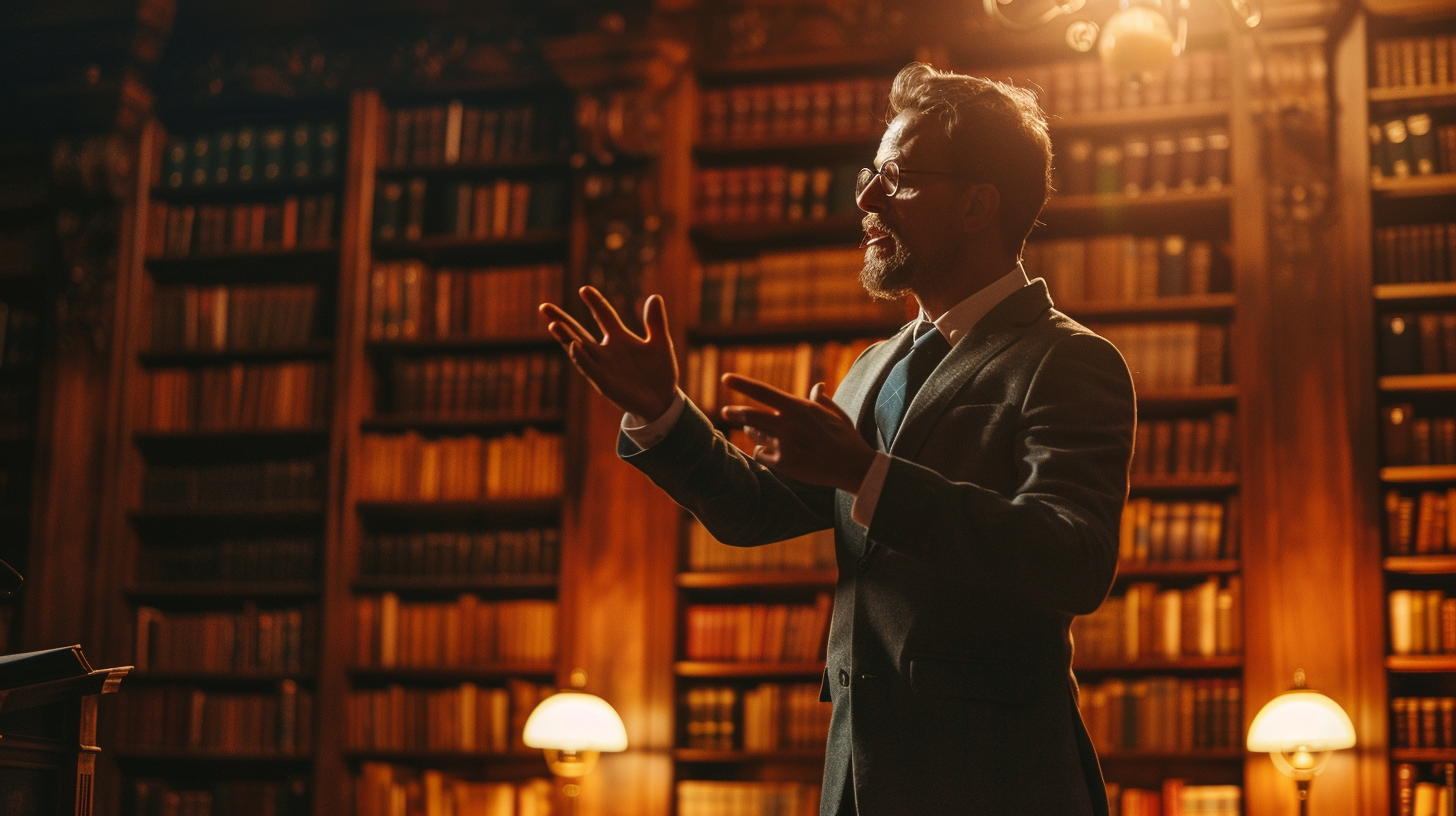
(878, 237)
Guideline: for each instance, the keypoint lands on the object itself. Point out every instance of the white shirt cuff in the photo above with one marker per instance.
(863, 509)
(646, 434)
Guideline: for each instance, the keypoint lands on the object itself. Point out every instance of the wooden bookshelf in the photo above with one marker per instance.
(805, 332)
(745, 237)
(1143, 116)
(167, 591)
(1409, 474)
(1148, 665)
(480, 674)
(1421, 564)
(1421, 664)
(1183, 307)
(1440, 184)
(453, 584)
(1402, 97)
(715, 669)
(706, 757)
(1191, 200)
(1195, 755)
(813, 579)
(487, 424)
(262, 266)
(1145, 483)
(478, 510)
(1175, 569)
(316, 350)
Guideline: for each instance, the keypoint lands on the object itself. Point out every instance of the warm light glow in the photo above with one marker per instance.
(1137, 41)
(574, 721)
(1301, 721)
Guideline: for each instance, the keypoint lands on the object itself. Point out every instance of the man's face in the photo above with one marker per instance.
(912, 236)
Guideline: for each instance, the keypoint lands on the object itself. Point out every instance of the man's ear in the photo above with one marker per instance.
(983, 204)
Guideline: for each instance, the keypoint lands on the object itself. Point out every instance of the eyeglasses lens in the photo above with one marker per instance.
(889, 176)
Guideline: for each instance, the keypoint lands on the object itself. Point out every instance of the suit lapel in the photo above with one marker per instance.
(864, 379)
(997, 330)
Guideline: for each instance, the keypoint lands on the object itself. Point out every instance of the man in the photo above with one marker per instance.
(974, 469)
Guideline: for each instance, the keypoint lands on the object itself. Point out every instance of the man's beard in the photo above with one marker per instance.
(890, 278)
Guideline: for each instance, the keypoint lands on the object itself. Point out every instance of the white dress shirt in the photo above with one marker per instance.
(954, 325)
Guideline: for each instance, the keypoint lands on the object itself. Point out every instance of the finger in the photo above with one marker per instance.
(817, 395)
(765, 456)
(606, 316)
(557, 314)
(567, 332)
(768, 422)
(654, 317)
(762, 391)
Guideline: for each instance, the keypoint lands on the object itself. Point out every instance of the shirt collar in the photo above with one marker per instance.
(958, 321)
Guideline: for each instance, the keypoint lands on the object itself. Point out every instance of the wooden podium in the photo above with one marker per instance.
(48, 744)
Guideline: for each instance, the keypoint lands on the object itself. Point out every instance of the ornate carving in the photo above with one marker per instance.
(621, 83)
(751, 28)
(92, 177)
(623, 226)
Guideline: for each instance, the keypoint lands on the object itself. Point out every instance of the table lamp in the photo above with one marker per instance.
(573, 728)
(1299, 729)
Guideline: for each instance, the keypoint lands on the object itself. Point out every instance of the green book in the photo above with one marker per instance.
(223, 148)
(300, 145)
(245, 156)
(275, 143)
(326, 154)
(175, 174)
(199, 161)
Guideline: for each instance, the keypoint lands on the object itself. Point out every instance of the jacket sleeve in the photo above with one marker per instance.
(1052, 543)
(741, 502)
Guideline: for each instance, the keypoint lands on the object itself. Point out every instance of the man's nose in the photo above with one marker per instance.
(872, 198)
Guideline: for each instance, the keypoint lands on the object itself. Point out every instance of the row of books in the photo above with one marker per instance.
(512, 385)
(255, 486)
(774, 193)
(176, 716)
(1172, 355)
(1160, 532)
(1422, 621)
(228, 797)
(409, 467)
(773, 717)
(709, 798)
(1421, 524)
(769, 633)
(1090, 86)
(1415, 253)
(1201, 621)
(294, 222)
(1418, 343)
(814, 551)
(1145, 164)
(234, 397)
(232, 318)
(1413, 62)
(252, 155)
(412, 209)
(1423, 722)
(257, 559)
(460, 134)
(1411, 145)
(393, 790)
(1425, 794)
(1185, 447)
(1163, 714)
(465, 718)
(462, 555)
(1176, 798)
(1120, 268)
(792, 368)
(463, 633)
(1412, 440)
(281, 641)
(754, 114)
(410, 301)
(788, 287)
(19, 335)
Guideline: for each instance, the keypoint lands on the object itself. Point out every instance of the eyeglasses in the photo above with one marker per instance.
(889, 176)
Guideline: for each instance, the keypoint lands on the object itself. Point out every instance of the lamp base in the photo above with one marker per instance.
(571, 764)
(1301, 788)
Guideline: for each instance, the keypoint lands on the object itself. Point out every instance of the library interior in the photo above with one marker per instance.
(307, 509)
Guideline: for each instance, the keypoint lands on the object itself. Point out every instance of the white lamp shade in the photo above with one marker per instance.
(573, 721)
(1301, 719)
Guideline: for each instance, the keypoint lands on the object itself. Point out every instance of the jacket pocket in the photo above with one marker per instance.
(960, 678)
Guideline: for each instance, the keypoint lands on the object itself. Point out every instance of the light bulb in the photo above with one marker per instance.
(1137, 41)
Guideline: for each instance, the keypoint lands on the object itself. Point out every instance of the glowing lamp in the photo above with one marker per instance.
(1136, 41)
(1299, 729)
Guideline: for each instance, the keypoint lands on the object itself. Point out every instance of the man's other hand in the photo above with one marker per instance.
(638, 374)
(811, 440)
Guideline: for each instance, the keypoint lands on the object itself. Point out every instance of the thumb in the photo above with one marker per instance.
(654, 317)
(817, 395)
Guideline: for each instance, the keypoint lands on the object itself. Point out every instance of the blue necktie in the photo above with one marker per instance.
(906, 378)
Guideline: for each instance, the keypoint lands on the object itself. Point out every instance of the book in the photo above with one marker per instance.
(29, 668)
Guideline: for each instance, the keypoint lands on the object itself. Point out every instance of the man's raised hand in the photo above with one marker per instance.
(811, 440)
(638, 374)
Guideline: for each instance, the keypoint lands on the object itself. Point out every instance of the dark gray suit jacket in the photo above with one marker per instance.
(949, 657)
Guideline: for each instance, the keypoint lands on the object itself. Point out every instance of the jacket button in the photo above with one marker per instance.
(843, 678)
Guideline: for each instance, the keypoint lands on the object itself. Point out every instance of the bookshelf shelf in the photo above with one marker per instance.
(1146, 116)
(702, 756)
(273, 190)
(487, 673)
(247, 677)
(1195, 755)
(475, 169)
(1423, 664)
(1422, 564)
(1439, 184)
(280, 512)
(740, 238)
(316, 350)
(1173, 569)
(1401, 97)
(817, 579)
(1423, 755)
(194, 755)
(1418, 473)
(791, 332)
(445, 758)
(1162, 664)
(445, 248)
(245, 439)
(1142, 483)
(1100, 202)
(161, 591)
(1191, 399)
(455, 583)
(484, 423)
(1396, 292)
(437, 511)
(836, 62)
(464, 345)
(705, 668)
(1166, 308)
(1419, 382)
(269, 265)
(816, 147)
